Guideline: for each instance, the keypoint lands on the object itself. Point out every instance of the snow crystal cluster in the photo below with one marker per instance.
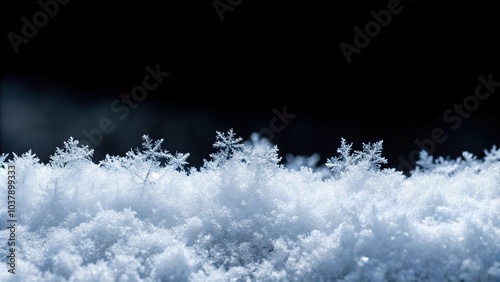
(247, 216)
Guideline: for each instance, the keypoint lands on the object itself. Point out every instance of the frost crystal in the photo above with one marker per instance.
(447, 166)
(178, 161)
(3, 157)
(227, 144)
(71, 153)
(370, 156)
(143, 163)
(151, 153)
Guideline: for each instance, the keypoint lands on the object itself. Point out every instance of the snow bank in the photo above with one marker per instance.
(244, 216)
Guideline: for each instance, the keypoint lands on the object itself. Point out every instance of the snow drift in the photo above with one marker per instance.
(245, 216)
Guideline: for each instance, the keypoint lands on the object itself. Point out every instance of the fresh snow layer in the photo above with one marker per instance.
(245, 217)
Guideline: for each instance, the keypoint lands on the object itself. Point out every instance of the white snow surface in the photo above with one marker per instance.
(244, 216)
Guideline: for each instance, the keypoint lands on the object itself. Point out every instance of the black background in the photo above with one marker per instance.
(232, 73)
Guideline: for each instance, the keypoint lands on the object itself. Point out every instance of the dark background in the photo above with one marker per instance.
(232, 73)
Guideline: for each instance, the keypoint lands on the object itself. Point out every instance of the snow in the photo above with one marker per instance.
(244, 216)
